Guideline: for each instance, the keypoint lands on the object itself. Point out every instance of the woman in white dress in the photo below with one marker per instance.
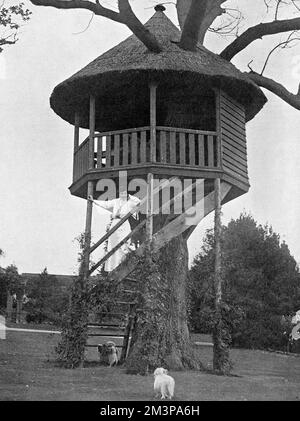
(118, 208)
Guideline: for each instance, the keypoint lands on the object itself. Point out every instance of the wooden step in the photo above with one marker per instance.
(129, 303)
(129, 279)
(96, 346)
(106, 326)
(106, 335)
(129, 291)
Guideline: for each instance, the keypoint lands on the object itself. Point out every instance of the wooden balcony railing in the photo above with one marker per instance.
(81, 160)
(132, 148)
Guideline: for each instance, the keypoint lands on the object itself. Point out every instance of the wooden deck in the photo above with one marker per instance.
(168, 151)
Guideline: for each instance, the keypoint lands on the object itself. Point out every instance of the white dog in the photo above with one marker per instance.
(163, 384)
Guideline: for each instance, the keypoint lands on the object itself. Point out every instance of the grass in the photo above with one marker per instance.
(27, 372)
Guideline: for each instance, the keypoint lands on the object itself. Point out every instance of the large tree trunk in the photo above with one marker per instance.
(161, 335)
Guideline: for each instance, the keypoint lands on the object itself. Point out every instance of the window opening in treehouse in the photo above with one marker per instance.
(180, 110)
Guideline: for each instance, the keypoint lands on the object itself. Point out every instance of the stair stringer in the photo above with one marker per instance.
(176, 227)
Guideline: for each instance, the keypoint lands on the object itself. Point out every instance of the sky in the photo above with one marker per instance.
(39, 219)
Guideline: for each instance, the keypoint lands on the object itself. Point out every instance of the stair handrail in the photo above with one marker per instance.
(166, 233)
(127, 216)
(113, 250)
(139, 226)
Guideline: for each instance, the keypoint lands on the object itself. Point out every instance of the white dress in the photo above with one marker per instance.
(118, 208)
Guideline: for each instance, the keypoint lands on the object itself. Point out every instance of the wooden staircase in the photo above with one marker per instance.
(116, 325)
(183, 223)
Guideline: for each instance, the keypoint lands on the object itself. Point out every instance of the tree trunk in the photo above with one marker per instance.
(161, 335)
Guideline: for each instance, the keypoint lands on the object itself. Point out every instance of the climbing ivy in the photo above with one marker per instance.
(221, 327)
(160, 337)
(70, 350)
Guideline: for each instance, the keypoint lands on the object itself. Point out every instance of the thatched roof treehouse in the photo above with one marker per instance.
(171, 113)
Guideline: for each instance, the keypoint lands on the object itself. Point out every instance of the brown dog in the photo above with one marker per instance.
(108, 353)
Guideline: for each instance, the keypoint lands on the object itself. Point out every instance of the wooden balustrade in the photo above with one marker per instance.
(131, 148)
(81, 160)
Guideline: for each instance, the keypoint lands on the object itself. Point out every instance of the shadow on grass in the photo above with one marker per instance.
(97, 364)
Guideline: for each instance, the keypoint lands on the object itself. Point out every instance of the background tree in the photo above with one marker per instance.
(10, 282)
(11, 20)
(2, 287)
(261, 283)
(196, 18)
(46, 300)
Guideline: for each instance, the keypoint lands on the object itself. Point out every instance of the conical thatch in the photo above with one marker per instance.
(119, 79)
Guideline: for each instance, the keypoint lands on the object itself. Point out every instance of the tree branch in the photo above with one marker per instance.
(80, 4)
(195, 17)
(4, 41)
(281, 45)
(135, 25)
(257, 32)
(126, 17)
(276, 88)
(191, 29)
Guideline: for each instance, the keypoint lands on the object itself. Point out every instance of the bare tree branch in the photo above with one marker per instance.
(125, 16)
(209, 13)
(231, 23)
(257, 32)
(135, 25)
(276, 88)
(80, 4)
(8, 42)
(282, 45)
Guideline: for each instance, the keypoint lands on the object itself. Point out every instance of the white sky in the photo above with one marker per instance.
(39, 218)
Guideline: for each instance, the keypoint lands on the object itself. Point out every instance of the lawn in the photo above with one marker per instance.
(27, 372)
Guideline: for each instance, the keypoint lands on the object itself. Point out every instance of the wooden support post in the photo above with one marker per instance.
(76, 143)
(19, 310)
(90, 192)
(218, 232)
(149, 226)
(92, 132)
(9, 306)
(219, 127)
(128, 333)
(76, 131)
(221, 359)
(153, 88)
(88, 231)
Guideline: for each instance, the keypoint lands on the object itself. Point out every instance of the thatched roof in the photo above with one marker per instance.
(119, 78)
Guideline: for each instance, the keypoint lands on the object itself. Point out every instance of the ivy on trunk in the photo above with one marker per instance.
(161, 335)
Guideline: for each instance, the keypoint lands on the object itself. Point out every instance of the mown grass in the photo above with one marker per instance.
(27, 372)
